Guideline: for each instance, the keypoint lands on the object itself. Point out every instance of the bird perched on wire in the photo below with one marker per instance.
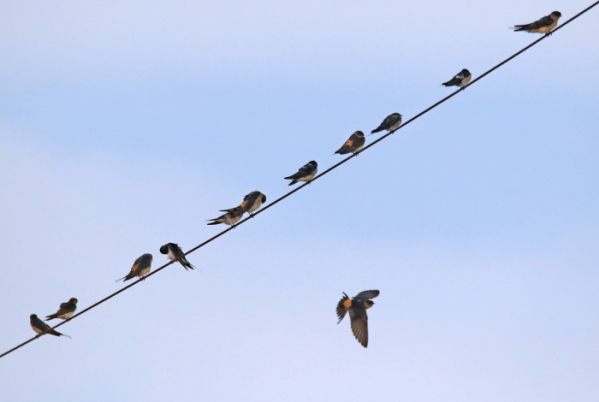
(174, 253)
(391, 123)
(251, 202)
(232, 216)
(141, 267)
(460, 80)
(544, 25)
(305, 173)
(357, 307)
(66, 310)
(354, 144)
(42, 328)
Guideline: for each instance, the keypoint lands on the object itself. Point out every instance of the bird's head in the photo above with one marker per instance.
(368, 304)
(164, 249)
(263, 198)
(73, 300)
(313, 163)
(33, 316)
(556, 15)
(359, 134)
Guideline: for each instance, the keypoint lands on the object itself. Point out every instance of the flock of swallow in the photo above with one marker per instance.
(357, 305)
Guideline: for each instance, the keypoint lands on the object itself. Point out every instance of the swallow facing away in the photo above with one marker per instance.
(391, 123)
(174, 253)
(460, 80)
(544, 25)
(357, 307)
(305, 173)
(252, 202)
(141, 267)
(354, 144)
(232, 216)
(66, 310)
(42, 328)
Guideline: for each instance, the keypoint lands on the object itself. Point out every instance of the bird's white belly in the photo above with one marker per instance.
(256, 205)
(465, 81)
(307, 178)
(170, 255)
(67, 315)
(36, 329)
(145, 271)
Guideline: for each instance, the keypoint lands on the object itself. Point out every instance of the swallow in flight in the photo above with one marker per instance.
(305, 173)
(141, 267)
(544, 25)
(42, 328)
(174, 253)
(460, 80)
(354, 144)
(391, 123)
(357, 307)
(66, 310)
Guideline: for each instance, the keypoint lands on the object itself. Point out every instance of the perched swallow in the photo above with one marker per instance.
(174, 253)
(141, 267)
(460, 80)
(305, 173)
(66, 310)
(357, 307)
(354, 144)
(232, 216)
(391, 122)
(544, 25)
(253, 201)
(42, 328)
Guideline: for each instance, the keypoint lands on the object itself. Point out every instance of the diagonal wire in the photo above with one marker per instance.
(319, 176)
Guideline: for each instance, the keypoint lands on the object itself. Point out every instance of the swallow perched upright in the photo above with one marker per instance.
(141, 267)
(232, 216)
(460, 80)
(357, 307)
(391, 122)
(174, 253)
(305, 173)
(66, 310)
(252, 202)
(354, 144)
(42, 328)
(544, 25)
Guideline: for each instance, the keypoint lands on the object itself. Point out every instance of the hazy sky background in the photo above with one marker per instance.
(125, 125)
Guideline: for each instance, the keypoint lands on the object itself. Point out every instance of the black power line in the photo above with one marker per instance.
(320, 175)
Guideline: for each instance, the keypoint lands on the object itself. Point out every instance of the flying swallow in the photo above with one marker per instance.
(42, 328)
(253, 201)
(544, 25)
(391, 123)
(357, 307)
(305, 173)
(354, 144)
(460, 80)
(141, 267)
(232, 216)
(174, 253)
(66, 310)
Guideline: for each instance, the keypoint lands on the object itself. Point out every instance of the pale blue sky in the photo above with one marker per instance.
(125, 125)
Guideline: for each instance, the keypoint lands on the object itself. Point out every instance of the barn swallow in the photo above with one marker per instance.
(460, 80)
(252, 202)
(174, 253)
(305, 173)
(42, 328)
(544, 25)
(391, 123)
(357, 307)
(141, 267)
(354, 144)
(66, 310)
(232, 216)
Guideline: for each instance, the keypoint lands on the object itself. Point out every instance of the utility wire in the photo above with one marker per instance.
(318, 176)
